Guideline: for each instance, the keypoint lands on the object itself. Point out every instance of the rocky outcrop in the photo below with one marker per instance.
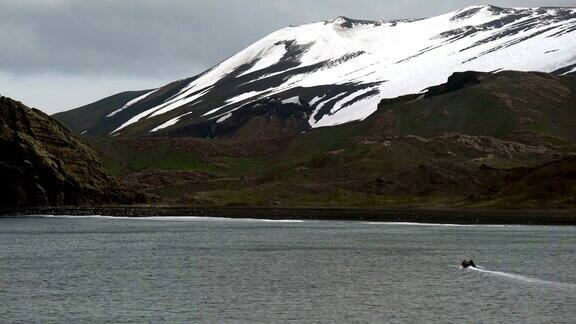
(42, 163)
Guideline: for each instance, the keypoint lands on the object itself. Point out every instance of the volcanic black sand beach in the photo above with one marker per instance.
(520, 217)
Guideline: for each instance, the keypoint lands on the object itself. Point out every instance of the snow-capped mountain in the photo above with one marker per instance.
(334, 72)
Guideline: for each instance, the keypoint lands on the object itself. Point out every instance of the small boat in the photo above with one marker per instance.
(465, 264)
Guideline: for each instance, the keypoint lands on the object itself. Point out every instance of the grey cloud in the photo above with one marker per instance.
(169, 39)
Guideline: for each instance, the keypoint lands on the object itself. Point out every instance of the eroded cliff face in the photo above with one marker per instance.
(42, 163)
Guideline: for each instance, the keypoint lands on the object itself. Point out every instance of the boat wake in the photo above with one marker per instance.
(175, 218)
(523, 278)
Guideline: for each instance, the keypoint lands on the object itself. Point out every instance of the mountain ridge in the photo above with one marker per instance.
(334, 72)
(478, 140)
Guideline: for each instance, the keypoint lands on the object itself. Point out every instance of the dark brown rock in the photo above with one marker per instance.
(42, 163)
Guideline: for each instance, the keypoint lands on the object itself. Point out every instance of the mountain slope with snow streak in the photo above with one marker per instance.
(334, 72)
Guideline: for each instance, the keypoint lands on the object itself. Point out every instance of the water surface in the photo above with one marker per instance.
(215, 270)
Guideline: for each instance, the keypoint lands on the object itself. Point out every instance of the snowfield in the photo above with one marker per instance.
(354, 64)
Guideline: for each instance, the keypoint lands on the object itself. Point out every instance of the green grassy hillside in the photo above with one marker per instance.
(502, 105)
(459, 145)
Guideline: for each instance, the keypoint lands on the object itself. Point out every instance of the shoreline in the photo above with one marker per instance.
(424, 216)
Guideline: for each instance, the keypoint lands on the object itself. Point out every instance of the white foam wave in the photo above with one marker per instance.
(523, 278)
(440, 225)
(217, 219)
(177, 218)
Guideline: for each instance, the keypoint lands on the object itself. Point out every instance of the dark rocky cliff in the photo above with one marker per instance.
(42, 163)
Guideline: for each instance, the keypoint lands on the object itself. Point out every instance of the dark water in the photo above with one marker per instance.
(134, 270)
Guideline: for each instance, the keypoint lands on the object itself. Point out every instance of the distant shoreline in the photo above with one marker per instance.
(438, 216)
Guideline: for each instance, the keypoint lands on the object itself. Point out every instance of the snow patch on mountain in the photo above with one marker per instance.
(161, 109)
(224, 117)
(234, 100)
(131, 102)
(169, 123)
(312, 120)
(366, 61)
(268, 57)
(316, 99)
(293, 100)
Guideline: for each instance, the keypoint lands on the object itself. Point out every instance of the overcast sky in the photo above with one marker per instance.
(60, 54)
